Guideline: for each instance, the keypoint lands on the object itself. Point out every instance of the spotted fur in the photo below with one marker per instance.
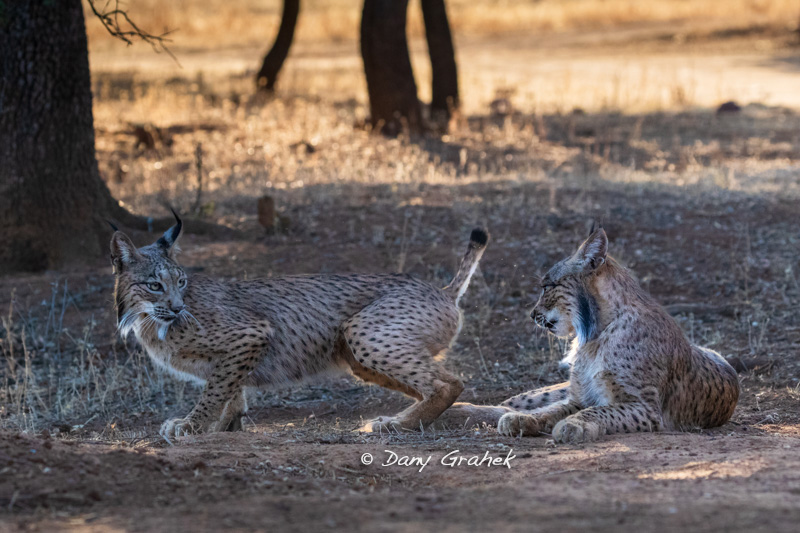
(231, 335)
(632, 368)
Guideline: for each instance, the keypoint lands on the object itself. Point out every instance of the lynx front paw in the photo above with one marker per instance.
(179, 427)
(519, 425)
(383, 424)
(575, 431)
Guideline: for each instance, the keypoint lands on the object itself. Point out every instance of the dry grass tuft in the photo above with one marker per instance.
(55, 377)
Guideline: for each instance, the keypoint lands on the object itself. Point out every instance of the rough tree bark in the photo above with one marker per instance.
(52, 199)
(53, 203)
(393, 101)
(273, 61)
(444, 99)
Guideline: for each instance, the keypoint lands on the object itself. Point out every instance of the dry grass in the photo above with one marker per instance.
(697, 61)
(252, 147)
(498, 18)
(219, 23)
(55, 377)
(402, 204)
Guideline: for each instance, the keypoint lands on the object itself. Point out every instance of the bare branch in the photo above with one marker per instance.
(127, 31)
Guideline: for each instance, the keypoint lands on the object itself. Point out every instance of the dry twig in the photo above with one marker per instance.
(110, 18)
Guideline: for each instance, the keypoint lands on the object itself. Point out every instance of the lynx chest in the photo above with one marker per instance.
(590, 378)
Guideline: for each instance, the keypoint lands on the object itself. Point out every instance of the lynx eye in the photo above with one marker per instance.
(548, 286)
(181, 283)
(155, 286)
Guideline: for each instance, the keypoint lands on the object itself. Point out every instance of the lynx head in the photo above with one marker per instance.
(566, 306)
(150, 284)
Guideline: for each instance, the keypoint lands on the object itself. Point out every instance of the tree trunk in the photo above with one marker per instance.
(266, 77)
(393, 101)
(52, 199)
(443, 60)
(53, 203)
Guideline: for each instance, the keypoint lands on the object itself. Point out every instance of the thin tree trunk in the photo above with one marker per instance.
(273, 61)
(393, 101)
(443, 60)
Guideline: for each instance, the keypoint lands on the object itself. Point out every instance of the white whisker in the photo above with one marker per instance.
(127, 321)
(146, 322)
(185, 313)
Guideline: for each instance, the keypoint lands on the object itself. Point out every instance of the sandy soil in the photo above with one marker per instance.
(274, 477)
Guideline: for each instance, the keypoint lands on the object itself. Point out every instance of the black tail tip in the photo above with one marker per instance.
(479, 236)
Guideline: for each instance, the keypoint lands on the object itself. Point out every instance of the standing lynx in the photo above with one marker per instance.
(632, 368)
(230, 335)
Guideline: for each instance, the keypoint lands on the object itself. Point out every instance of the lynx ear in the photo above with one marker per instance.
(592, 252)
(123, 252)
(171, 236)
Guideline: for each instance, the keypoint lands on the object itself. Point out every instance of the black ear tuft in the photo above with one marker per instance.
(170, 236)
(113, 226)
(595, 226)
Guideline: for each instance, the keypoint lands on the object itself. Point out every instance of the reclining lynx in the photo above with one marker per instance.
(387, 329)
(632, 368)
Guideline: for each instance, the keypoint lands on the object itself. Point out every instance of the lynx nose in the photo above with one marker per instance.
(176, 308)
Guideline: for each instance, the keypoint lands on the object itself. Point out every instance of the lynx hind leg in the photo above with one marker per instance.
(433, 388)
(591, 423)
(462, 415)
(393, 343)
(536, 399)
(707, 392)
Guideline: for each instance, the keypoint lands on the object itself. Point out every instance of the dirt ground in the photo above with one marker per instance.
(274, 477)
(701, 206)
(298, 465)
